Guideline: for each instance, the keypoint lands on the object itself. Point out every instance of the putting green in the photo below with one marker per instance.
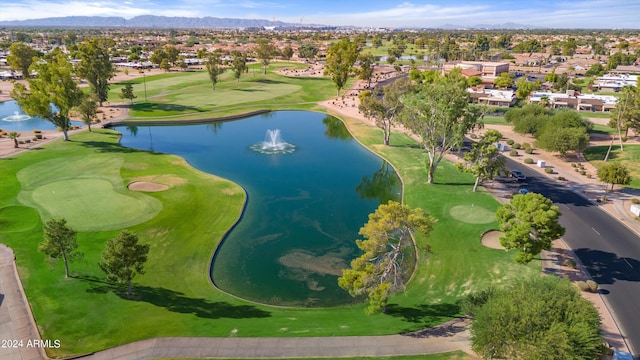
(93, 204)
(472, 214)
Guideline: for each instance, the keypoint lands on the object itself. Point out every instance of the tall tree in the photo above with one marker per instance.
(127, 92)
(123, 258)
(484, 161)
(564, 131)
(504, 80)
(626, 114)
(341, 56)
(367, 63)
(440, 115)
(529, 119)
(287, 52)
(265, 51)
(214, 68)
(21, 57)
(614, 174)
(54, 85)
(530, 223)
(95, 66)
(88, 109)
(239, 64)
(384, 105)
(307, 51)
(537, 318)
(525, 87)
(382, 270)
(59, 242)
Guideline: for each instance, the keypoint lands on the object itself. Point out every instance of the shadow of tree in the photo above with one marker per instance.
(149, 107)
(177, 302)
(606, 268)
(423, 313)
(105, 147)
(448, 329)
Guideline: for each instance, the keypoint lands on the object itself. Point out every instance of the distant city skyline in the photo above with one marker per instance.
(604, 14)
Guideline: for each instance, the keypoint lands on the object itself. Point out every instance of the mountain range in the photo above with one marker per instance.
(151, 21)
(148, 21)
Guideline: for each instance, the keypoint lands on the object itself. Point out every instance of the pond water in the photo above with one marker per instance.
(305, 205)
(12, 118)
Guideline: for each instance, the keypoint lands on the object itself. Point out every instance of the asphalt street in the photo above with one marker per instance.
(608, 249)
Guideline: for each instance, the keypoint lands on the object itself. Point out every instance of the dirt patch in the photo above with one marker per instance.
(491, 239)
(168, 180)
(147, 186)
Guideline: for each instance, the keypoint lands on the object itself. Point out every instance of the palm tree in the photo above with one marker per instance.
(14, 135)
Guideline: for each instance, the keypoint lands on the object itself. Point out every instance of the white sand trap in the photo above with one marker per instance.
(491, 239)
(147, 186)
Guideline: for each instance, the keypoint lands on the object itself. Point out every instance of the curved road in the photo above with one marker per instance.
(608, 250)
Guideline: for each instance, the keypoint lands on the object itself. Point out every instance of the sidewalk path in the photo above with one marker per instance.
(17, 328)
(448, 337)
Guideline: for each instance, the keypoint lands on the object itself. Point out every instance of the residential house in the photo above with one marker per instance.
(576, 101)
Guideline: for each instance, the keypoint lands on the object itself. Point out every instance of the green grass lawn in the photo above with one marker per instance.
(630, 158)
(185, 223)
(190, 95)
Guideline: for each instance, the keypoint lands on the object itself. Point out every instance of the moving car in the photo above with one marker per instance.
(518, 175)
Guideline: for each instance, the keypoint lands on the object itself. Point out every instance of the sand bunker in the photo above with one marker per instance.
(491, 239)
(147, 186)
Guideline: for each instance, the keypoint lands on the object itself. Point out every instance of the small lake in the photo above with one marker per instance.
(12, 118)
(305, 205)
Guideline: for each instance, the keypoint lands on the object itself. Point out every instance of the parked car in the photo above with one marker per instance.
(518, 175)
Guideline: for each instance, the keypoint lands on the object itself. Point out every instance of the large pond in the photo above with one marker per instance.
(310, 188)
(12, 118)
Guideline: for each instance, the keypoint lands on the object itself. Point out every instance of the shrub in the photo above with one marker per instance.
(573, 165)
(510, 141)
(582, 286)
(561, 178)
(592, 286)
(589, 176)
(635, 201)
(577, 170)
(473, 136)
(582, 172)
(528, 161)
(570, 263)
(513, 153)
(528, 150)
(548, 170)
(37, 131)
(526, 145)
(517, 146)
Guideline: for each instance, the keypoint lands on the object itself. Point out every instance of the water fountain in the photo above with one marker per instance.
(273, 144)
(16, 117)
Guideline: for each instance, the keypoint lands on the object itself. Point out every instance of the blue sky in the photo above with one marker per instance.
(377, 13)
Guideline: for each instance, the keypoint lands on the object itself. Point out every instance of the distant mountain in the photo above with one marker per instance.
(148, 21)
(505, 26)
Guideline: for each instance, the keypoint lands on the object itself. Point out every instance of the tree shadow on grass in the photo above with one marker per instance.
(267, 81)
(177, 302)
(151, 107)
(424, 314)
(107, 147)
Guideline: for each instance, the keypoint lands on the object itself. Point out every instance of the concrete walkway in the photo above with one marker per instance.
(445, 338)
(17, 327)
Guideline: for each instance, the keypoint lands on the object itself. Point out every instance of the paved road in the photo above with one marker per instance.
(608, 249)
